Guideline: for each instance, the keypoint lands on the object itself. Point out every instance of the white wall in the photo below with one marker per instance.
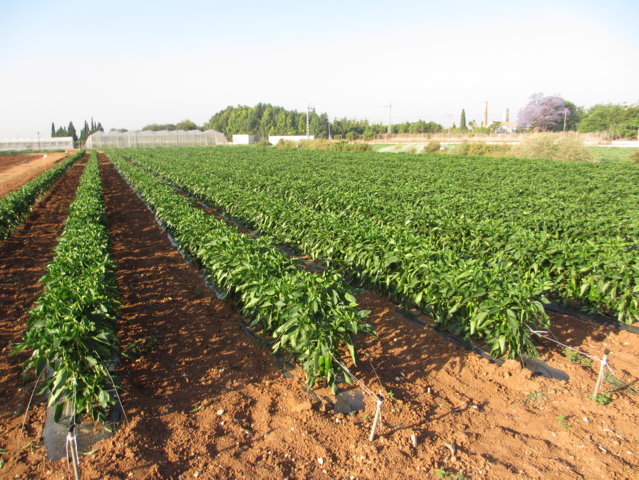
(245, 139)
(274, 139)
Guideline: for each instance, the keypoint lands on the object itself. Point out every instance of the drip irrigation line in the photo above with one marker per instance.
(596, 359)
(26, 413)
(355, 379)
(375, 372)
(377, 421)
(540, 333)
(117, 395)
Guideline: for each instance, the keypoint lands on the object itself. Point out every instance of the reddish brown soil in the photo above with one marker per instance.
(16, 170)
(209, 402)
(23, 260)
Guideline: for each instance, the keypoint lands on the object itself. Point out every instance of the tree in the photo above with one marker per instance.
(186, 125)
(72, 133)
(52, 129)
(84, 133)
(154, 127)
(546, 114)
(462, 121)
(617, 120)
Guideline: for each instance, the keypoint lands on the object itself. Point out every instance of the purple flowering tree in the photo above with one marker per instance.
(544, 113)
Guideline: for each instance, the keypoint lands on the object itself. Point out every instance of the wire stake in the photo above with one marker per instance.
(72, 451)
(602, 367)
(377, 419)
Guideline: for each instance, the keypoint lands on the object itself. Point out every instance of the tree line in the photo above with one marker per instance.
(265, 119)
(542, 113)
(70, 131)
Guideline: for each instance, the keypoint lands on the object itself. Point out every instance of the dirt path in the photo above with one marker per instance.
(16, 170)
(23, 260)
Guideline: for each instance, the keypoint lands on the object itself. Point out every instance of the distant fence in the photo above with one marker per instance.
(55, 143)
(592, 138)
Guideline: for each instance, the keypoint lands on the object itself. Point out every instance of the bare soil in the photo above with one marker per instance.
(16, 170)
(206, 400)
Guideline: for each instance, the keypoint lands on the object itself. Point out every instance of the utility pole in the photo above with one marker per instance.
(309, 108)
(486, 114)
(389, 130)
(565, 115)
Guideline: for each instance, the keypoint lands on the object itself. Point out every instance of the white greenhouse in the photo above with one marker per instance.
(163, 138)
(55, 143)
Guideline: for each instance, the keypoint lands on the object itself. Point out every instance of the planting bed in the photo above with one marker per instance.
(23, 259)
(207, 400)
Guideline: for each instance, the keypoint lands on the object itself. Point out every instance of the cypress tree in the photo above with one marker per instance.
(72, 133)
(462, 121)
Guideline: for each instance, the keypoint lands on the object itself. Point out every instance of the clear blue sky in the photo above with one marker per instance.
(131, 63)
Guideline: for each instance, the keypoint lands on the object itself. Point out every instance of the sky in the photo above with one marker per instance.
(130, 63)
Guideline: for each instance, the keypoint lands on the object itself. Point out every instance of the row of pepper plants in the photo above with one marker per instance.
(15, 207)
(578, 224)
(312, 317)
(471, 295)
(71, 328)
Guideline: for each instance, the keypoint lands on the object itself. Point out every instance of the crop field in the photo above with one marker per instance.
(248, 309)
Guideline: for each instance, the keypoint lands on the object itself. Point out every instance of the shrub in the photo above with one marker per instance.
(344, 146)
(316, 144)
(634, 157)
(567, 148)
(286, 144)
(479, 148)
(482, 149)
(264, 143)
(432, 147)
(461, 149)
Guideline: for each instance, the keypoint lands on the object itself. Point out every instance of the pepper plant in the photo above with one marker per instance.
(71, 329)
